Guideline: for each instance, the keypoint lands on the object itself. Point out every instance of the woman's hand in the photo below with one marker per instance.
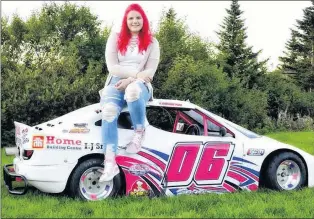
(147, 79)
(122, 84)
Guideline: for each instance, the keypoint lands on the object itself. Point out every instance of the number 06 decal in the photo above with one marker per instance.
(205, 164)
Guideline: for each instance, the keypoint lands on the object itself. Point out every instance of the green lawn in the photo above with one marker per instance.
(303, 140)
(260, 204)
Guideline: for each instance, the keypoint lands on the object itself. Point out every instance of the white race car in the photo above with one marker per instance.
(186, 150)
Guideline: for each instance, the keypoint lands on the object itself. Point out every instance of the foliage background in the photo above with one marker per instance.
(53, 63)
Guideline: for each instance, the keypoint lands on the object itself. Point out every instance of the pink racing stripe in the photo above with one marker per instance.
(128, 162)
(153, 181)
(229, 188)
(236, 176)
(153, 159)
(252, 187)
(246, 172)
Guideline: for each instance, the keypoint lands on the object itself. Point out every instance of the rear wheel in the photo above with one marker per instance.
(85, 181)
(286, 171)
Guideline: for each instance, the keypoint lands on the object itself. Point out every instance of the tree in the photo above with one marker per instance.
(175, 41)
(299, 54)
(237, 59)
(282, 95)
(197, 81)
(52, 64)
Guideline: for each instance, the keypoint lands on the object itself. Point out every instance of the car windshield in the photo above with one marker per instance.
(244, 131)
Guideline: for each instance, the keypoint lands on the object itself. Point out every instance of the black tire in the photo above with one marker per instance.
(74, 186)
(270, 175)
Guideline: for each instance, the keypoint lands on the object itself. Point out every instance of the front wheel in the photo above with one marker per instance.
(286, 171)
(85, 181)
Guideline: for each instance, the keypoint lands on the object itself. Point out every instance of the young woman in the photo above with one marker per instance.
(132, 57)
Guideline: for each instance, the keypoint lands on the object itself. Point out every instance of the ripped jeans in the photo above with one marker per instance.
(112, 101)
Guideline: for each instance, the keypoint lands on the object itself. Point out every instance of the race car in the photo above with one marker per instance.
(186, 150)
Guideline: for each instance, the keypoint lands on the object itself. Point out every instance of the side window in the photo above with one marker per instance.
(213, 129)
(124, 121)
(194, 126)
(161, 118)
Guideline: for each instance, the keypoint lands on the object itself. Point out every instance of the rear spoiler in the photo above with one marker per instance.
(22, 135)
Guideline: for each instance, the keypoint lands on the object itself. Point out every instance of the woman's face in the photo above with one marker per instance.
(134, 21)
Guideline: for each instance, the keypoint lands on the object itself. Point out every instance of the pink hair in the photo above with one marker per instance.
(145, 37)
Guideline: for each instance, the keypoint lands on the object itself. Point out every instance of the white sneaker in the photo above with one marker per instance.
(135, 145)
(110, 171)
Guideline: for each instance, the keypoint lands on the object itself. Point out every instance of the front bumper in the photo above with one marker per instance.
(9, 176)
(310, 167)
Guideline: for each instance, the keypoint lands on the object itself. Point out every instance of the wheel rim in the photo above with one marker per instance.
(288, 175)
(90, 186)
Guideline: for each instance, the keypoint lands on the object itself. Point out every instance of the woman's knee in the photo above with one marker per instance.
(110, 111)
(132, 92)
(109, 91)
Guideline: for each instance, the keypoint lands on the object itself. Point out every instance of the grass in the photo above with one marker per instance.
(260, 204)
(303, 140)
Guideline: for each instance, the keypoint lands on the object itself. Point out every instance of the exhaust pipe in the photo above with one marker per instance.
(9, 151)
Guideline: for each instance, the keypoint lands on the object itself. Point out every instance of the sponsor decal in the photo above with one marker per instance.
(170, 104)
(255, 152)
(63, 143)
(38, 128)
(139, 188)
(80, 125)
(24, 136)
(17, 130)
(80, 128)
(98, 111)
(93, 146)
(25, 131)
(51, 142)
(204, 164)
(38, 141)
(194, 191)
(25, 140)
(139, 169)
(62, 147)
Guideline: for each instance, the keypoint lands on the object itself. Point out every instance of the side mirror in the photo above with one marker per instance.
(222, 131)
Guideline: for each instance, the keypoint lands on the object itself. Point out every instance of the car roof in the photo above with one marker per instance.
(154, 103)
(171, 103)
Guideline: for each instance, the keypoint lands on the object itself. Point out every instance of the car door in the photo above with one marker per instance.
(194, 163)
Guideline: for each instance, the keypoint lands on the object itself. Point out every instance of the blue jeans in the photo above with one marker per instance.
(112, 102)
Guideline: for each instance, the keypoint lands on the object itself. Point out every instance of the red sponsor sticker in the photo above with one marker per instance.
(18, 130)
(139, 188)
(170, 104)
(38, 142)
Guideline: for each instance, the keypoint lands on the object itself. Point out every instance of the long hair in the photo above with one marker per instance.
(145, 36)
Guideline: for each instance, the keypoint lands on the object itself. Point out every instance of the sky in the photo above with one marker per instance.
(268, 23)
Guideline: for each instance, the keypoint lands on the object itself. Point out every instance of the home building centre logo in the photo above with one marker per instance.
(38, 142)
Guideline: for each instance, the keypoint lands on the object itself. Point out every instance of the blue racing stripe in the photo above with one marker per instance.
(164, 156)
(256, 173)
(242, 160)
